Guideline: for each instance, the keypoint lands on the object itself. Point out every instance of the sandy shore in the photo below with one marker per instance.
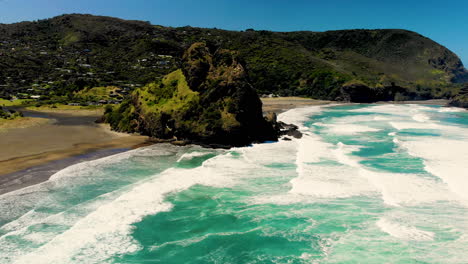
(25, 122)
(66, 134)
(281, 104)
(441, 102)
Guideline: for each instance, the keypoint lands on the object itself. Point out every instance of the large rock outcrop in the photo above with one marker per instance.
(461, 100)
(208, 101)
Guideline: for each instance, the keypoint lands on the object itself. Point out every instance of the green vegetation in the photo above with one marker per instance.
(63, 107)
(18, 102)
(209, 100)
(99, 92)
(169, 96)
(10, 114)
(60, 57)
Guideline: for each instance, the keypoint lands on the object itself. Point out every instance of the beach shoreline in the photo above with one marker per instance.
(73, 137)
(67, 135)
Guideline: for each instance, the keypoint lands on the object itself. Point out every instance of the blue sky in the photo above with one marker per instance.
(443, 21)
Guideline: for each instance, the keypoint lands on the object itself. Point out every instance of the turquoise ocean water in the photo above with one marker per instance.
(365, 184)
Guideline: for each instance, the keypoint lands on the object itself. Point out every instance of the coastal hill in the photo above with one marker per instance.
(209, 101)
(56, 58)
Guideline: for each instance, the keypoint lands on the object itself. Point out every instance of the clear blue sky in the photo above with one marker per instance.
(443, 21)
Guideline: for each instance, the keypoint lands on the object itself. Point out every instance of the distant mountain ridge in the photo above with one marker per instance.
(69, 52)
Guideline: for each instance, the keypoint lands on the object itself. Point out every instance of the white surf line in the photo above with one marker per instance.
(32, 195)
(321, 182)
(106, 232)
(191, 155)
(404, 232)
(444, 158)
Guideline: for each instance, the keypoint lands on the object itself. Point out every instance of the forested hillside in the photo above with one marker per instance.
(63, 55)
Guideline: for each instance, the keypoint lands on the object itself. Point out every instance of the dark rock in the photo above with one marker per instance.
(361, 93)
(294, 133)
(461, 100)
(208, 102)
(289, 130)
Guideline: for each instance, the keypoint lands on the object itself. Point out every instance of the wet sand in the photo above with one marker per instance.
(281, 104)
(67, 135)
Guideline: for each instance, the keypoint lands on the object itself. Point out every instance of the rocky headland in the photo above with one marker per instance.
(208, 101)
(461, 100)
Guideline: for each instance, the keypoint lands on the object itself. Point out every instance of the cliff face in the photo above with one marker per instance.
(209, 101)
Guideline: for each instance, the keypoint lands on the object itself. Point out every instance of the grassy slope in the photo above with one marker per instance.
(97, 92)
(19, 102)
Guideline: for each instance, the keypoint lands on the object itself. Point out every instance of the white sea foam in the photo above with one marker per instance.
(324, 171)
(330, 182)
(360, 119)
(427, 126)
(21, 201)
(298, 116)
(444, 158)
(389, 109)
(266, 154)
(342, 154)
(352, 178)
(319, 180)
(349, 129)
(351, 125)
(399, 189)
(417, 190)
(106, 231)
(191, 155)
(381, 118)
(382, 108)
(451, 110)
(404, 232)
(421, 117)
